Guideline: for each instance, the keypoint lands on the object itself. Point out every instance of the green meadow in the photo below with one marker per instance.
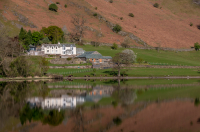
(190, 58)
(130, 72)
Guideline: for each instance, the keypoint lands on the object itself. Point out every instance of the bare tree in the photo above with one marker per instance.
(78, 21)
(4, 50)
(121, 60)
(79, 120)
(126, 42)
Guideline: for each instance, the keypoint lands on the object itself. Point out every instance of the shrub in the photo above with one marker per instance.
(111, 1)
(191, 24)
(125, 45)
(121, 18)
(115, 46)
(53, 7)
(65, 5)
(117, 28)
(198, 26)
(139, 60)
(196, 46)
(95, 8)
(117, 121)
(95, 14)
(114, 103)
(57, 2)
(196, 101)
(95, 44)
(69, 59)
(156, 5)
(131, 14)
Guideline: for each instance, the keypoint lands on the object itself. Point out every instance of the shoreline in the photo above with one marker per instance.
(99, 78)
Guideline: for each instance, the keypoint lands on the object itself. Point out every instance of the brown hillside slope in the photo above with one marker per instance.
(166, 27)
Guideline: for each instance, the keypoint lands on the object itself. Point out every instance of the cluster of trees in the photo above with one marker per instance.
(12, 61)
(52, 34)
(53, 117)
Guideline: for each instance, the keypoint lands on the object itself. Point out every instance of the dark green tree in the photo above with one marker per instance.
(22, 34)
(46, 40)
(196, 46)
(36, 37)
(28, 38)
(53, 7)
(54, 33)
(117, 28)
(54, 118)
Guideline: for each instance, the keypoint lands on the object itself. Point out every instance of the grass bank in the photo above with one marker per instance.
(133, 72)
(190, 58)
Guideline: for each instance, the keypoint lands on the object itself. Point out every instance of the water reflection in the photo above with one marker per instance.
(58, 103)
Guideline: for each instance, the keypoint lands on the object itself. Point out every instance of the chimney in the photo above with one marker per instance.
(58, 42)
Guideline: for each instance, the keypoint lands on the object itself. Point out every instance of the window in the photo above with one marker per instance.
(47, 51)
(56, 47)
(63, 52)
(63, 48)
(56, 51)
(52, 47)
(52, 51)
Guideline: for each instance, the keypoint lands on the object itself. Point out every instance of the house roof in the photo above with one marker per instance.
(90, 55)
(59, 45)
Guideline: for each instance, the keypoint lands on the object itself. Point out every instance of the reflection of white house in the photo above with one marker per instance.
(59, 49)
(65, 101)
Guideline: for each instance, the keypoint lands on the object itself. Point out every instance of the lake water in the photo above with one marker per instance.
(100, 105)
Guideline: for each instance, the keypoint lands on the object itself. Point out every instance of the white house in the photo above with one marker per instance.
(59, 49)
(65, 101)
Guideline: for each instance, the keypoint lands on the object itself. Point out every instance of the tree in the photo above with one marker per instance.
(54, 33)
(53, 7)
(94, 72)
(196, 46)
(44, 65)
(36, 37)
(54, 118)
(28, 38)
(22, 34)
(156, 5)
(97, 36)
(46, 40)
(79, 22)
(131, 54)
(139, 60)
(21, 66)
(117, 28)
(120, 60)
(126, 42)
(115, 46)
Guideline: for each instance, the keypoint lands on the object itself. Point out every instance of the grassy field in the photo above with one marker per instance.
(175, 58)
(169, 93)
(131, 72)
(132, 82)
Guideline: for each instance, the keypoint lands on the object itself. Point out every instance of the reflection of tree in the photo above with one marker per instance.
(124, 95)
(13, 97)
(54, 118)
(29, 114)
(79, 120)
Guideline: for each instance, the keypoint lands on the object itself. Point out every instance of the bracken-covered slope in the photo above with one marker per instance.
(168, 26)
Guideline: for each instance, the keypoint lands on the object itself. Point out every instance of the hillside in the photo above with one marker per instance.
(168, 26)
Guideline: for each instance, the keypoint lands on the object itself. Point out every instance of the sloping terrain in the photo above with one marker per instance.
(165, 27)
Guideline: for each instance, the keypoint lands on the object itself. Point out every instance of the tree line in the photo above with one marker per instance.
(51, 34)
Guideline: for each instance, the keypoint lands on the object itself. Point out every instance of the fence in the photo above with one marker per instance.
(165, 64)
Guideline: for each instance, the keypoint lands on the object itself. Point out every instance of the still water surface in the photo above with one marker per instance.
(100, 105)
